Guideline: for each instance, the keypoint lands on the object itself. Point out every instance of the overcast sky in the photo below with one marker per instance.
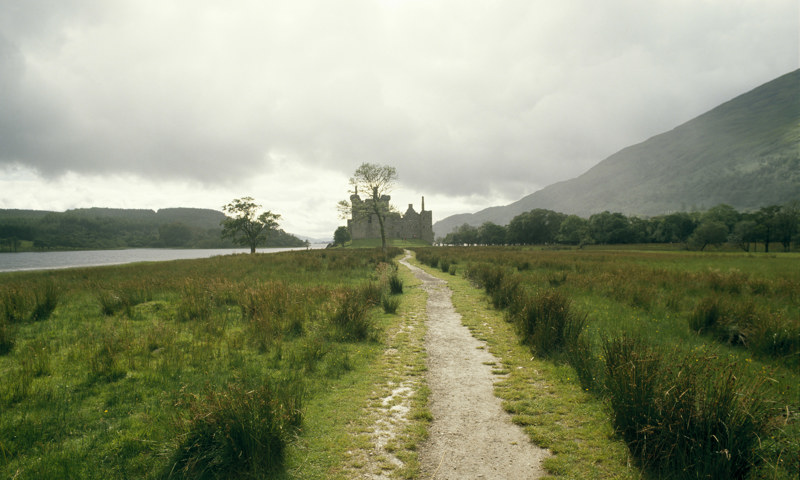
(192, 103)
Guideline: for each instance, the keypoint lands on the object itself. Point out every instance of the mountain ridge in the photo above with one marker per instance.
(743, 152)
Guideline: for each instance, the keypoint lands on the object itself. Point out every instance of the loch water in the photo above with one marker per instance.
(10, 262)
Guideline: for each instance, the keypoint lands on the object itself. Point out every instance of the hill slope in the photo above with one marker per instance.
(99, 228)
(745, 153)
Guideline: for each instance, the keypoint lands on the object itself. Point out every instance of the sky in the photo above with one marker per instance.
(476, 103)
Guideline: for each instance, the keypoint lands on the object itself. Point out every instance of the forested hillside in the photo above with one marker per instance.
(743, 153)
(722, 224)
(104, 228)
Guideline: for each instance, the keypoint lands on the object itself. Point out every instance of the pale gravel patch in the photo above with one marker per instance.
(471, 435)
(388, 411)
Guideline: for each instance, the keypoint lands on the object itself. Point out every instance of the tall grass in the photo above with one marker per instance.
(31, 302)
(679, 420)
(546, 322)
(737, 322)
(237, 432)
(544, 318)
(640, 343)
(350, 316)
(7, 337)
(96, 389)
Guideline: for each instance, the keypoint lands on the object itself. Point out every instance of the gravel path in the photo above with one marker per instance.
(471, 436)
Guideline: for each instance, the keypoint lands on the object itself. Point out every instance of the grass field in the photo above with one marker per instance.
(237, 366)
(275, 365)
(679, 347)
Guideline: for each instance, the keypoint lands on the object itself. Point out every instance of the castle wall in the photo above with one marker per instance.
(407, 226)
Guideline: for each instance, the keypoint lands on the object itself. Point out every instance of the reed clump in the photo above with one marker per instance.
(546, 322)
(31, 302)
(7, 336)
(680, 419)
(685, 409)
(350, 316)
(740, 323)
(237, 432)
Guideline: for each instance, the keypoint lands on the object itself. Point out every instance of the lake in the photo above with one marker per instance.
(11, 262)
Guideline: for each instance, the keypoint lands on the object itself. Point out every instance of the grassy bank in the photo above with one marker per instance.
(392, 242)
(710, 339)
(228, 366)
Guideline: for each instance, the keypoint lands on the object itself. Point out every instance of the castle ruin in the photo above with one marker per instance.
(363, 222)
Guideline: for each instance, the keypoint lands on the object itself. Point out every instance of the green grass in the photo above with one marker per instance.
(393, 242)
(544, 397)
(657, 298)
(169, 370)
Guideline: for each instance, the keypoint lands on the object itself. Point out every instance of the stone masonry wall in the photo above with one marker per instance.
(407, 226)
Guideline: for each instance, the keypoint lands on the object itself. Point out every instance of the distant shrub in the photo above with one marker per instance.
(350, 316)
(110, 301)
(29, 302)
(395, 284)
(556, 279)
(337, 362)
(34, 358)
(776, 336)
(581, 356)
(738, 322)
(6, 336)
(452, 270)
(506, 291)
(196, 301)
(545, 321)
(369, 293)
(123, 296)
(444, 264)
(485, 275)
(390, 304)
(103, 363)
(237, 432)
(45, 301)
(15, 303)
(16, 386)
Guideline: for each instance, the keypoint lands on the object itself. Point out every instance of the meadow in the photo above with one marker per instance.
(209, 368)
(693, 357)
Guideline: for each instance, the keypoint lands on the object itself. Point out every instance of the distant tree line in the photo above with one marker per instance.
(694, 230)
(97, 228)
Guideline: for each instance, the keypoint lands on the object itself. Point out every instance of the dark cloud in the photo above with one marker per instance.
(465, 98)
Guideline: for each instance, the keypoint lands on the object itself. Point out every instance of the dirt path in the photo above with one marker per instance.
(471, 436)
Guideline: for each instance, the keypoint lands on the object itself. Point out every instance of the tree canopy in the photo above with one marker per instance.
(697, 230)
(245, 226)
(376, 181)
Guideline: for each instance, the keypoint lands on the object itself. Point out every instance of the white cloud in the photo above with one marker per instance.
(475, 102)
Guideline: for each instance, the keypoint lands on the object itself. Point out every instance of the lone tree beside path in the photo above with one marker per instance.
(377, 181)
(243, 226)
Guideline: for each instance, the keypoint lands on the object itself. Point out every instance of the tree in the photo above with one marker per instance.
(244, 227)
(466, 234)
(722, 213)
(174, 234)
(574, 230)
(610, 228)
(538, 226)
(786, 224)
(341, 236)
(378, 181)
(709, 232)
(491, 234)
(744, 233)
(674, 228)
(765, 224)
